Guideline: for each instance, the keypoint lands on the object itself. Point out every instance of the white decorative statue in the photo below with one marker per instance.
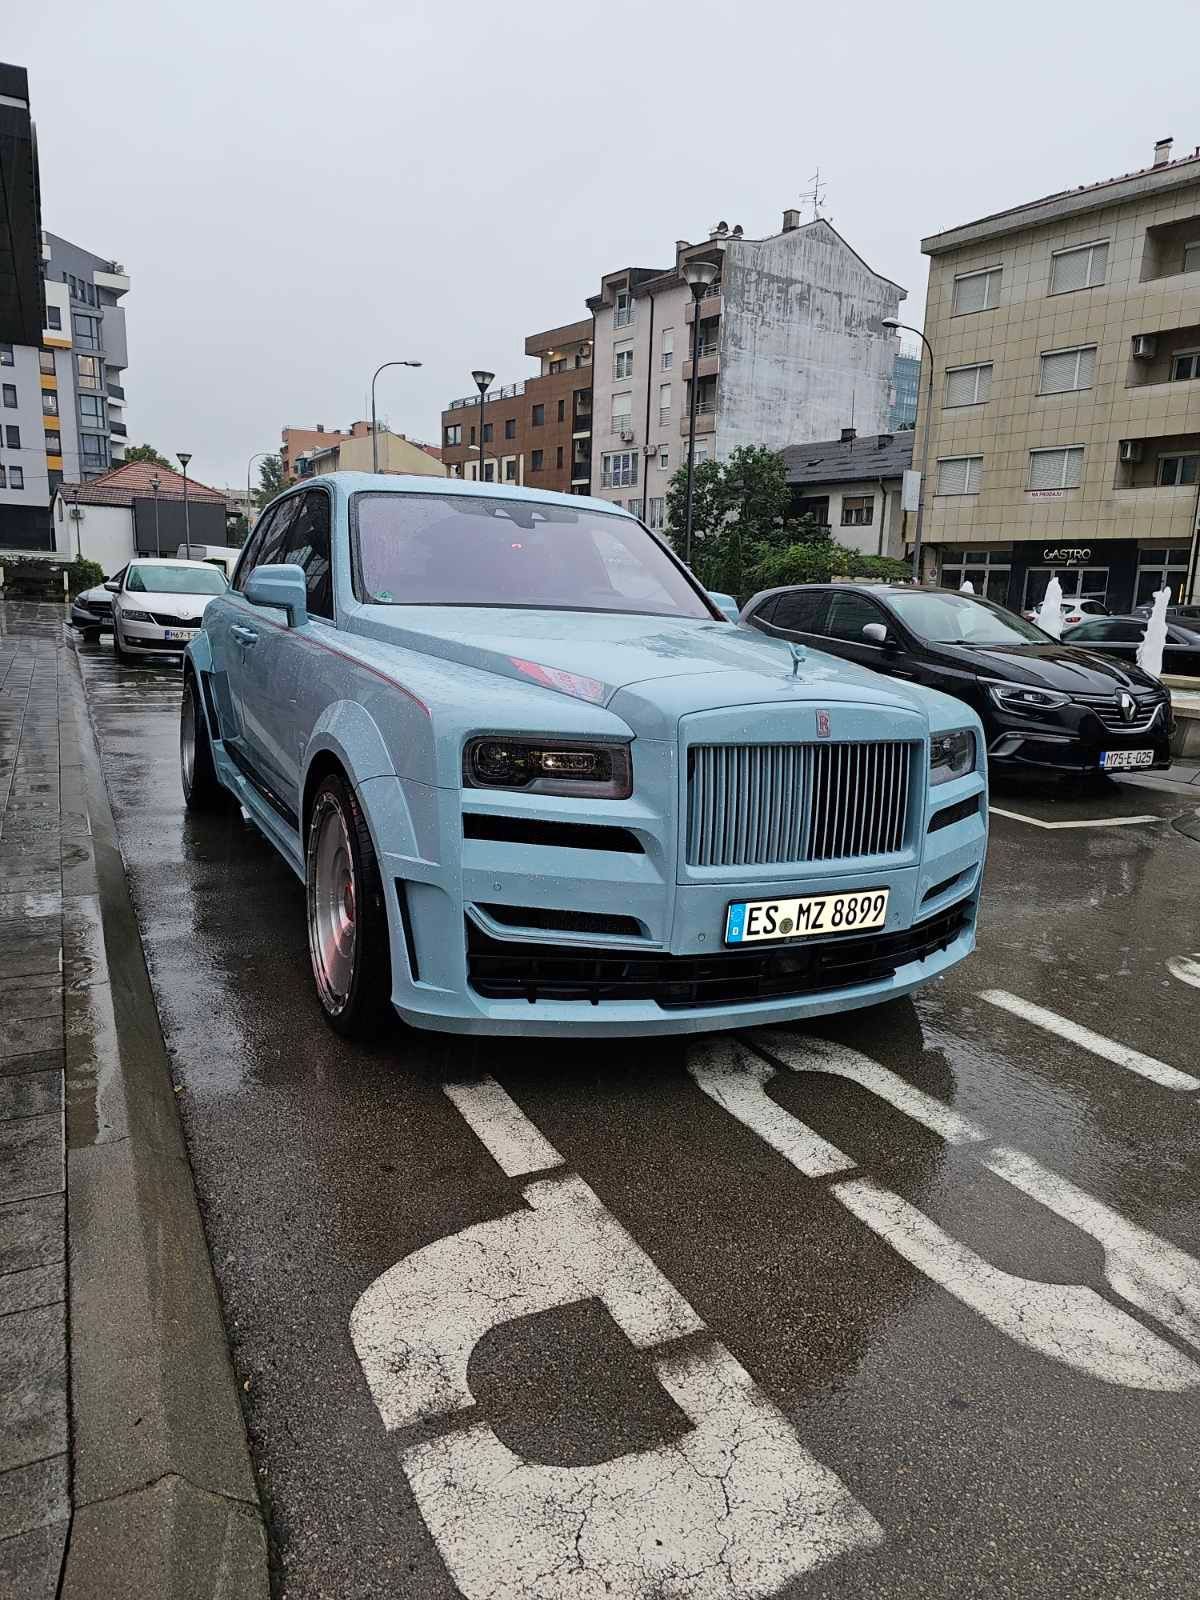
(966, 587)
(1150, 651)
(1049, 617)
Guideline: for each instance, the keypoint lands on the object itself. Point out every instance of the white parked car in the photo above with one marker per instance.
(1073, 612)
(158, 605)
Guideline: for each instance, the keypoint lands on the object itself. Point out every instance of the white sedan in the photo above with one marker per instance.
(158, 605)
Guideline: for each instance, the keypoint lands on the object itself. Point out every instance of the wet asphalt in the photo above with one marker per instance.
(990, 1467)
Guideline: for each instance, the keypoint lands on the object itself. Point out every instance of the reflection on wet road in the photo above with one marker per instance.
(903, 1304)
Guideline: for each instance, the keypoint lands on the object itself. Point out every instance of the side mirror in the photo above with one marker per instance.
(726, 604)
(113, 587)
(282, 585)
(876, 633)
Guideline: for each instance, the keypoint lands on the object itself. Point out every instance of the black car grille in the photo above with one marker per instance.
(165, 621)
(503, 970)
(1147, 702)
(98, 608)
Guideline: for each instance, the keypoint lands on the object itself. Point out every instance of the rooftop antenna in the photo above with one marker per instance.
(816, 195)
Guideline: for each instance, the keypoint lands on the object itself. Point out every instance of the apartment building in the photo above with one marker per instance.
(853, 487)
(906, 384)
(297, 442)
(1065, 429)
(537, 430)
(792, 349)
(354, 451)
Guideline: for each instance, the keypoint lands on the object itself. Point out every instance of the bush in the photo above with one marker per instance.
(83, 574)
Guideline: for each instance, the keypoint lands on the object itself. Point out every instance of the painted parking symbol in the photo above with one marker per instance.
(736, 1508)
(1186, 968)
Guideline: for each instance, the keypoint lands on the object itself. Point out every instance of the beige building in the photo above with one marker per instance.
(351, 452)
(1066, 392)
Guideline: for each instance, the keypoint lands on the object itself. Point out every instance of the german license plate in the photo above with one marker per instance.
(182, 634)
(749, 920)
(1112, 760)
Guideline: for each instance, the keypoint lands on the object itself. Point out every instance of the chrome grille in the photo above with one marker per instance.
(760, 804)
(1108, 708)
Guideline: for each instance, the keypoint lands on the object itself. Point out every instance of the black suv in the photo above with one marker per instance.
(1044, 705)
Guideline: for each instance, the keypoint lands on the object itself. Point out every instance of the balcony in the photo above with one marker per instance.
(118, 430)
(1168, 357)
(115, 391)
(1167, 468)
(706, 419)
(510, 391)
(710, 363)
(1172, 250)
(711, 304)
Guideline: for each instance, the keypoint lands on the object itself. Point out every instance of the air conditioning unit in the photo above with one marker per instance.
(1131, 449)
(1144, 346)
(626, 436)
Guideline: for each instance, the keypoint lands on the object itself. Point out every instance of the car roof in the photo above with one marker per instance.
(348, 483)
(170, 561)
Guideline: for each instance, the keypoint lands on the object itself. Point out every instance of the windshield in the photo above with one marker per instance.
(478, 550)
(146, 578)
(940, 617)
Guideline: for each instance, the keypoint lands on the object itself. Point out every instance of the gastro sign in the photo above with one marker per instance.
(1066, 555)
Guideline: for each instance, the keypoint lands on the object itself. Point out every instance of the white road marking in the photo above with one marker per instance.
(1186, 969)
(1121, 1055)
(1069, 1323)
(734, 1509)
(733, 1076)
(497, 1121)
(1096, 822)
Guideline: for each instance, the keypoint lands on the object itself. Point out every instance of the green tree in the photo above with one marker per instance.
(817, 560)
(147, 452)
(740, 506)
(271, 480)
(236, 529)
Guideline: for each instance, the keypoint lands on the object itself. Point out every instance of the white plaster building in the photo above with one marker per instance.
(792, 349)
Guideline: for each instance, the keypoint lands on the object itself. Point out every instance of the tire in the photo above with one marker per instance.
(119, 649)
(202, 789)
(349, 942)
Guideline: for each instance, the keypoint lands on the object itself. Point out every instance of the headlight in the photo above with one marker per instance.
(951, 755)
(1016, 697)
(544, 766)
(135, 616)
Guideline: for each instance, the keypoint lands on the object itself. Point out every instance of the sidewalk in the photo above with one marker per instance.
(124, 1470)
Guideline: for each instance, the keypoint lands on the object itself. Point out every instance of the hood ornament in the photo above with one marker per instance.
(798, 655)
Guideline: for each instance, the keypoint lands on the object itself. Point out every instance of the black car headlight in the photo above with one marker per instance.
(951, 755)
(1017, 697)
(591, 771)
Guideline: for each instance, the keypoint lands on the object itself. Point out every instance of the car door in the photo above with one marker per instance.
(849, 612)
(1181, 654)
(282, 675)
(227, 622)
(1112, 636)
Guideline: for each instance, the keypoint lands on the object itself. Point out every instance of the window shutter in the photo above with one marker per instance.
(953, 474)
(1068, 369)
(1045, 469)
(960, 387)
(1069, 271)
(1072, 468)
(977, 290)
(1099, 264)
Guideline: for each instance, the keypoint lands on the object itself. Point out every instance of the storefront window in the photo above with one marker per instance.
(987, 571)
(1077, 583)
(1161, 566)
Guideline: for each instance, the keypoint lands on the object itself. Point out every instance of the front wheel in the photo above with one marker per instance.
(348, 937)
(119, 649)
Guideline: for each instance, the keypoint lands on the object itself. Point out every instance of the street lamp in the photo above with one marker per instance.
(895, 324)
(699, 275)
(482, 380)
(184, 457)
(259, 455)
(374, 430)
(155, 481)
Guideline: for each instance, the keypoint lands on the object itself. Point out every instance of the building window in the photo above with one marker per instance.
(559, 365)
(1191, 257)
(54, 318)
(623, 310)
(510, 470)
(858, 510)
(1184, 365)
(976, 291)
(46, 362)
(987, 571)
(562, 410)
(623, 362)
(558, 458)
(664, 459)
(10, 395)
(622, 413)
(959, 474)
(472, 435)
(539, 416)
(4, 483)
(1175, 471)
(535, 461)
(1081, 268)
(656, 512)
(49, 403)
(968, 386)
(487, 433)
(489, 472)
(668, 349)
(664, 404)
(454, 434)
(701, 451)
(510, 427)
(619, 470)
(86, 331)
(1056, 469)
(89, 372)
(93, 411)
(1067, 370)
(634, 507)
(12, 437)
(7, 358)
(93, 449)
(16, 477)
(53, 442)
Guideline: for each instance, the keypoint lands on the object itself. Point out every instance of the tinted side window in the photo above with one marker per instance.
(849, 615)
(307, 545)
(250, 555)
(801, 610)
(1086, 633)
(766, 611)
(1117, 632)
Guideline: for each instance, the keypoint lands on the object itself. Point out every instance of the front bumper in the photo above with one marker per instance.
(151, 637)
(88, 621)
(1070, 740)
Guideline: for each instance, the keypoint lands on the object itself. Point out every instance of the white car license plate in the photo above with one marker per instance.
(180, 633)
(749, 920)
(1113, 759)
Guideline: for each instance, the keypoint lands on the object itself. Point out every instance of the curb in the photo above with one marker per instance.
(164, 1495)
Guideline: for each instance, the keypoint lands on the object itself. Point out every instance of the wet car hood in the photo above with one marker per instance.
(595, 655)
(1069, 668)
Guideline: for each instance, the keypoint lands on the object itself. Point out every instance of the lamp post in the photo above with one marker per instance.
(699, 275)
(374, 429)
(895, 324)
(184, 457)
(259, 455)
(482, 380)
(155, 481)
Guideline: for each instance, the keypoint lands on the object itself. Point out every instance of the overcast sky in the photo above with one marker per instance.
(300, 191)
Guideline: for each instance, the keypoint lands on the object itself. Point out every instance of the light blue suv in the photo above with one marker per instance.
(536, 783)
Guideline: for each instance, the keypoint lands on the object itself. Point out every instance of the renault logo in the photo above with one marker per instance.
(1128, 706)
